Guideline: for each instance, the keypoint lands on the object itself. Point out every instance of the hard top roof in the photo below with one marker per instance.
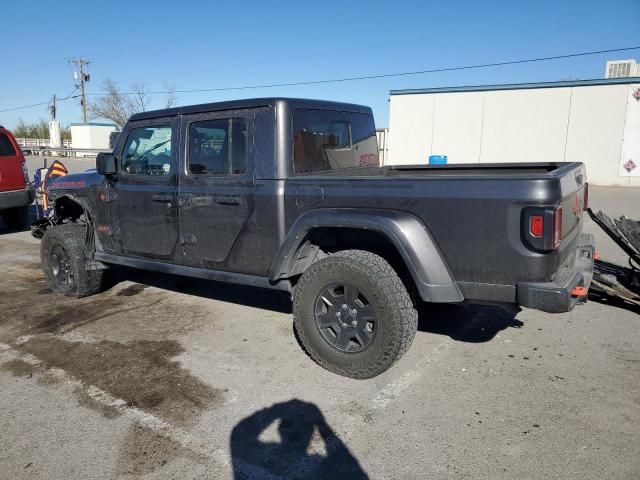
(290, 103)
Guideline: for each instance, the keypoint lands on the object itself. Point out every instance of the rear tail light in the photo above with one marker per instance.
(542, 228)
(25, 171)
(536, 226)
(557, 227)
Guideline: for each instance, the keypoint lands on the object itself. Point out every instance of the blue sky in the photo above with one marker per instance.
(218, 44)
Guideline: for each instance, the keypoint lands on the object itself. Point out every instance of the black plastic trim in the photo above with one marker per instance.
(419, 251)
(555, 296)
(227, 277)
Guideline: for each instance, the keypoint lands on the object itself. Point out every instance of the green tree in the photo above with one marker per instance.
(65, 133)
(39, 129)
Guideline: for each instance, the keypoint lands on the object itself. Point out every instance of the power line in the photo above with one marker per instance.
(48, 102)
(26, 106)
(389, 75)
(364, 77)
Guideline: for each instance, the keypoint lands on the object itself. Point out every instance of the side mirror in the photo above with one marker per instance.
(106, 164)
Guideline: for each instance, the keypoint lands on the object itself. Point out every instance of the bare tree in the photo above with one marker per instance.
(118, 106)
(170, 99)
(114, 105)
(139, 97)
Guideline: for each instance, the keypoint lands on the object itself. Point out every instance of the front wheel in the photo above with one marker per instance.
(353, 315)
(64, 256)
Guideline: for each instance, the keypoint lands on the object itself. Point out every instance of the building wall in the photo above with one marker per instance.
(577, 123)
(94, 136)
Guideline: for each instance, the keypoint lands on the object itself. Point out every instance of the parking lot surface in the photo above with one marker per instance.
(168, 377)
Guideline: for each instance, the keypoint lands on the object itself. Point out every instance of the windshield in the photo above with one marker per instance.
(325, 140)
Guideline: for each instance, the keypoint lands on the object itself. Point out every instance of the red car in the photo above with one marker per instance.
(15, 192)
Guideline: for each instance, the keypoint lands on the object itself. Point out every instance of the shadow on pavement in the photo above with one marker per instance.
(225, 292)
(461, 322)
(466, 322)
(290, 440)
(616, 285)
(613, 302)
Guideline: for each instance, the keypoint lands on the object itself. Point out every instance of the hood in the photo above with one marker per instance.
(74, 182)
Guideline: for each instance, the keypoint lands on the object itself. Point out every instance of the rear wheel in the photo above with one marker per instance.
(15, 218)
(64, 257)
(353, 315)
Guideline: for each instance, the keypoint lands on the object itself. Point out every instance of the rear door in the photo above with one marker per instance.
(142, 205)
(216, 185)
(11, 158)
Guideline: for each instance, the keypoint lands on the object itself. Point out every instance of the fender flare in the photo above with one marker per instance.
(406, 232)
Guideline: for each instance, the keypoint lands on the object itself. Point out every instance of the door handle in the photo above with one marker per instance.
(162, 198)
(229, 200)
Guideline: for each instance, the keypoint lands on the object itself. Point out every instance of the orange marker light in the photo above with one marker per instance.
(579, 292)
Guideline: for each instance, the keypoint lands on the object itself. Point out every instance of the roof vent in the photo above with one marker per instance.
(622, 69)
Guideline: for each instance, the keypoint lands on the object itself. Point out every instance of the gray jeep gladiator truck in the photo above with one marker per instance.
(288, 194)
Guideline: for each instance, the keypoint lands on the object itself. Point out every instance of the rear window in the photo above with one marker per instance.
(218, 147)
(6, 147)
(325, 140)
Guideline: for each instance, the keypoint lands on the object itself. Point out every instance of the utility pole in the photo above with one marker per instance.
(83, 77)
(55, 139)
(52, 108)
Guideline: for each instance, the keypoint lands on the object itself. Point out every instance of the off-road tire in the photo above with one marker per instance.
(71, 237)
(15, 218)
(397, 318)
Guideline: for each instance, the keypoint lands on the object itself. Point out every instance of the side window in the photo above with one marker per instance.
(148, 151)
(325, 140)
(218, 147)
(6, 147)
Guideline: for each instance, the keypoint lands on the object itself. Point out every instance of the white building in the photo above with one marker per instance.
(592, 121)
(94, 136)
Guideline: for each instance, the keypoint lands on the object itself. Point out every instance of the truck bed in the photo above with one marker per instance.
(476, 169)
(473, 211)
(484, 170)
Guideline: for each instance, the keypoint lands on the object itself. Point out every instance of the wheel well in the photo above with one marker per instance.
(67, 208)
(323, 241)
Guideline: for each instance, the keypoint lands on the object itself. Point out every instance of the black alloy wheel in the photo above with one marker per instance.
(61, 267)
(345, 318)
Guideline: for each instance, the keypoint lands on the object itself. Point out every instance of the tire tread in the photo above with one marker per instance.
(386, 278)
(72, 237)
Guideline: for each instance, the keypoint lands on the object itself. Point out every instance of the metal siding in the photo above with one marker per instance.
(571, 123)
(457, 131)
(595, 132)
(411, 126)
(630, 149)
(525, 125)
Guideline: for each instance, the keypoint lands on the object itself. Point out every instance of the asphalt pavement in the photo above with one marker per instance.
(163, 377)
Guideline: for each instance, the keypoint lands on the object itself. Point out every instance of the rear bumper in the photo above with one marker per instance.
(16, 198)
(561, 294)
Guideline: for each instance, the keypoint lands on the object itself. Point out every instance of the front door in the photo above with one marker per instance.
(144, 217)
(216, 186)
